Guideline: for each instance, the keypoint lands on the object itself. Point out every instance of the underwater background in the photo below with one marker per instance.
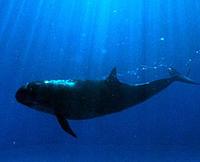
(85, 39)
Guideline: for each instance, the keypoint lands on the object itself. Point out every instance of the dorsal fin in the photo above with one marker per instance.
(112, 78)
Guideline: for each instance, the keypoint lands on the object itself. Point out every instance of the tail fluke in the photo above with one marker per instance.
(179, 77)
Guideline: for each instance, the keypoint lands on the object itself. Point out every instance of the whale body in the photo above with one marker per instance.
(86, 99)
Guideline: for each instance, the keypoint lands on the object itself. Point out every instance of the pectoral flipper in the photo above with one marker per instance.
(65, 125)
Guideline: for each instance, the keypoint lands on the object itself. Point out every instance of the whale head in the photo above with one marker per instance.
(46, 95)
(34, 95)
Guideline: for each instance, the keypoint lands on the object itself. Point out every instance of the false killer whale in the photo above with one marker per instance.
(86, 99)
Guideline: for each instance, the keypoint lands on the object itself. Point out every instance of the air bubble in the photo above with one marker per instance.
(162, 38)
(198, 52)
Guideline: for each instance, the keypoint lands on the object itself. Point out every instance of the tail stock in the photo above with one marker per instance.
(179, 77)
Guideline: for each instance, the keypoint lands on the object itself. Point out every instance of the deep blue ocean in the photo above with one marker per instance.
(85, 39)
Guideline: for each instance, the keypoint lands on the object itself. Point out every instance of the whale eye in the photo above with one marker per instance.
(31, 89)
(32, 92)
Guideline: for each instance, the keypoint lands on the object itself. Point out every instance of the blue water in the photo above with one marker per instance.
(85, 39)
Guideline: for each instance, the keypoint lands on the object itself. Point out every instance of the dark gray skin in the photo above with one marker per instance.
(77, 99)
